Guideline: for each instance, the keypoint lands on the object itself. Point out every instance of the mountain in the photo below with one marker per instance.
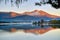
(34, 15)
(28, 17)
(4, 15)
(41, 13)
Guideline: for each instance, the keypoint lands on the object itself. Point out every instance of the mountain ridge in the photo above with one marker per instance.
(39, 13)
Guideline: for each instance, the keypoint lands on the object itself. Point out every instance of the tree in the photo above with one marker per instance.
(34, 23)
(42, 21)
(17, 2)
(54, 3)
(55, 21)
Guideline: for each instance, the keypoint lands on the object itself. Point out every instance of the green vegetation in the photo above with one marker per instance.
(34, 23)
(55, 21)
(55, 26)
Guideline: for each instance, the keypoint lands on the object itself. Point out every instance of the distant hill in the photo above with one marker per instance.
(34, 15)
(41, 13)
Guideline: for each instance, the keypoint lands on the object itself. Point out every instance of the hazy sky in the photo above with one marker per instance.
(29, 6)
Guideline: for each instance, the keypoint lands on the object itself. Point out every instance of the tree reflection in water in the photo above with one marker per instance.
(42, 30)
(36, 29)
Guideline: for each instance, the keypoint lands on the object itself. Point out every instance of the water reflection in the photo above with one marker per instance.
(29, 28)
(39, 31)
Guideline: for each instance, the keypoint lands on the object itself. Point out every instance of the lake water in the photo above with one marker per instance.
(23, 26)
(29, 32)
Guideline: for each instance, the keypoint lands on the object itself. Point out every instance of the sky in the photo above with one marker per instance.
(28, 6)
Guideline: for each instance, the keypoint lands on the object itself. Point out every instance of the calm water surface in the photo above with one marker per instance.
(29, 32)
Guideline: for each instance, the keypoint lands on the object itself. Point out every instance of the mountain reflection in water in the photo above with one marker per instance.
(39, 31)
(29, 28)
